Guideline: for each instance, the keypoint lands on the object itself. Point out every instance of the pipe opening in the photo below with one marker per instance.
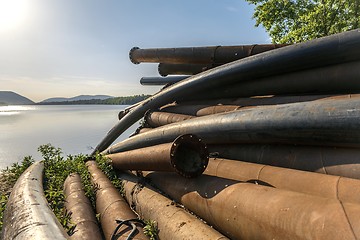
(189, 156)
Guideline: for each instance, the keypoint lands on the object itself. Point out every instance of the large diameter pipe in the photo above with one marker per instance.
(336, 187)
(27, 214)
(202, 108)
(187, 155)
(173, 222)
(157, 119)
(111, 206)
(249, 211)
(335, 79)
(166, 69)
(80, 209)
(322, 122)
(198, 55)
(327, 160)
(161, 80)
(339, 48)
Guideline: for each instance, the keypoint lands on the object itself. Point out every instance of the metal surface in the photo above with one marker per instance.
(338, 79)
(80, 209)
(27, 214)
(161, 80)
(157, 119)
(202, 108)
(344, 47)
(166, 69)
(111, 206)
(321, 122)
(187, 155)
(327, 160)
(340, 188)
(173, 222)
(249, 211)
(198, 55)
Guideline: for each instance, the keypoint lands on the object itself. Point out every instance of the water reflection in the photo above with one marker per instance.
(75, 129)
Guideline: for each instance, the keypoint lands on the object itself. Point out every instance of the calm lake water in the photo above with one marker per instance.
(73, 128)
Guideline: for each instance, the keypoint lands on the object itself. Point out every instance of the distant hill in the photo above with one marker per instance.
(12, 98)
(129, 100)
(77, 98)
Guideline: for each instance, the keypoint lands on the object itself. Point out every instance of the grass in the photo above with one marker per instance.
(57, 168)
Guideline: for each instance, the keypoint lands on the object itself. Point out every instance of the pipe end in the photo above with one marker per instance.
(189, 155)
(131, 55)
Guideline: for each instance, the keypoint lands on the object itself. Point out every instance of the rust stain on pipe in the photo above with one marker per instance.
(260, 212)
(80, 208)
(173, 222)
(202, 108)
(187, 155)
(157, 119)
(111, 205)
(336, 187)
(327, 160)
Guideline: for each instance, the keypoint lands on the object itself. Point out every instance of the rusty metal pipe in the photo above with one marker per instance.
(80, 209)
(202, 108)
(157, 119)
(161, 80)
(327, 160)
(322, 122)
(166, 69)
(187, 155)
(27, 214)
(173, 222)
(336, 187)
(248, 211)
(198, 55)
(335, 49)
(111, 206)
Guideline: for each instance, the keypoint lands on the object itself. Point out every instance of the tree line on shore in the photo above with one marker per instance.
(128, 100)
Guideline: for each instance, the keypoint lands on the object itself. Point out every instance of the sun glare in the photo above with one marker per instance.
(13, 14)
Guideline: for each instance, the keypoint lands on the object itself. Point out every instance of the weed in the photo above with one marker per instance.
(151, 229)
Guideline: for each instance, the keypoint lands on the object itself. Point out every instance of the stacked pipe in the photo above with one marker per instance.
(283, 134)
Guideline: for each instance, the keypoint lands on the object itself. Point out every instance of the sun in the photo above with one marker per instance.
(13, 14)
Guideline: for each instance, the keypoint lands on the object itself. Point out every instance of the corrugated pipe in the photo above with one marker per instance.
(335, 49)
(113, 208)
(27, 214)
(187, 155)
(327, 160)
(322, 122)
(248, 211)
(340, 188)
(80, 209)
(173, 222)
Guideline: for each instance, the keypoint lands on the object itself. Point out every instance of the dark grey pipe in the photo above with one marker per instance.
(333, 79)
(198, 55)
(322, 122)
(329, 50)
(166, 69)
(161, 80)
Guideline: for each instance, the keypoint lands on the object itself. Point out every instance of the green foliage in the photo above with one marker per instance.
(56, 170)
(291, 21)
(151, 229)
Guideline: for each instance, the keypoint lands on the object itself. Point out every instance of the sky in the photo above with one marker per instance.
(65, 48)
